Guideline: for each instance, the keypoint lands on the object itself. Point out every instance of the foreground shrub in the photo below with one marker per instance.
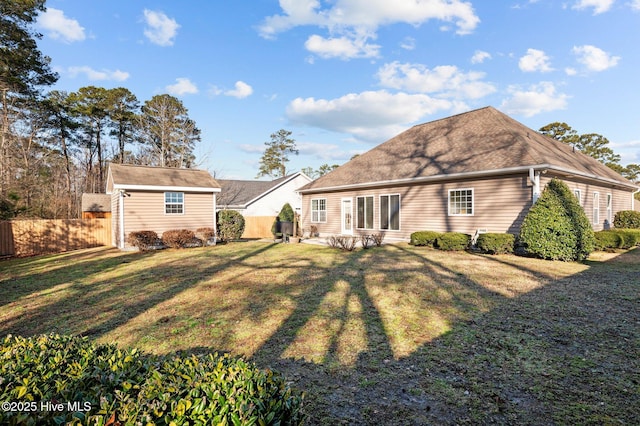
(556, 226)
(230, 225)
(126, 386)
(453, 241)
(496, 243)
(617, 239)
(343, 242)
(424, 238)
(205, 234)
(627, 219)
(143, 240)
(178, 238)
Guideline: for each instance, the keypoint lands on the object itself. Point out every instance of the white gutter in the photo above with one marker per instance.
(535, 180)
(467, 175)
(165, 188)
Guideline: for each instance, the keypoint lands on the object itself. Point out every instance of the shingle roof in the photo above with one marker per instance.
(241, 192)
(127, 175)
(96, 202)
(477, 141)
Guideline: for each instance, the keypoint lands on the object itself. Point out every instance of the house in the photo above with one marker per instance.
(96, 206)
(159, 199)
(261, 201)
(472, 172)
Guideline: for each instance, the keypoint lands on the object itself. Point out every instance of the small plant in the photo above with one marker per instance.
(332, 241)
(496, 243)
(230, 225)
(206, 233)
(143, 240)
(347, 243)
(627, 219)
(366, 241)
(453, 241)
(313, 231)
(178, 238)
(424, 238)
(377, 238)
(127, 386)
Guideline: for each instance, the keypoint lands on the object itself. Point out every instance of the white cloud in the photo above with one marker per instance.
(345, 47)
(535, 60)
(599, 6)
(344, 18)
(372, 115)
(635, 4)
(60, 27)
(538, 98)
(445, 80)
(324, 151)
(95, 75)
(480, 56)
(251, 149)
(409, 43)
(594, 58)
(160, 29)
(240, 91)
(570, 71)
(183, 86)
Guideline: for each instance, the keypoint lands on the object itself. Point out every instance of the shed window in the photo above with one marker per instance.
(174, 202)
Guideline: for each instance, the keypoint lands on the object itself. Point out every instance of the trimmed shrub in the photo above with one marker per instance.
(627, 219)
(205, 234)
(143, 240)
(126, 386)
(230, 225)
(617, 239)
(557, 227)
(453, 241)
(496, 243)
(424, 238)
(630, 237)
(286, 215)
(178, 238)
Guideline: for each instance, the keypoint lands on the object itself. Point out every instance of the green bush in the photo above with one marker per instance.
(617, 239)
(178, 238)
(453, 241)
(143, 240)
(230, 225)
(424, 238)
(496, 243)
(556, 226)
(627, 219)
(286, 215)
(126, 386)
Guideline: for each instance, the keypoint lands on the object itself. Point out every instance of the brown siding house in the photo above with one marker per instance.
(159, 199)
(479, 171)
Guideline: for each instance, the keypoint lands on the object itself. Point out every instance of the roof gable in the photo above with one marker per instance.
(479, 141)
(126, 176)
(240, 193)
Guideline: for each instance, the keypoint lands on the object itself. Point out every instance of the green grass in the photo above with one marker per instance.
(390, 335)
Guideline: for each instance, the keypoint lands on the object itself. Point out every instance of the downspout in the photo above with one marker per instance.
(121, 219)
(535, 180)
(215, 225)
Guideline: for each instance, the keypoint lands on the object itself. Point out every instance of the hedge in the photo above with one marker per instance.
(230, 225)
(143, 240)
(179, 238)
(496, 243)
(617, 239)
(109, 385)
(627, 219)
(424, 238)
(453, 241)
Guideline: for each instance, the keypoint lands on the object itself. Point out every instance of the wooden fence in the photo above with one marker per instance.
(258, 226)
(40, 236)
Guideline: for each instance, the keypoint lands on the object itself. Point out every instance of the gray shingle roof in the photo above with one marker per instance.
(477, 141)
(96, 202)
(240, 192)
(130, 175)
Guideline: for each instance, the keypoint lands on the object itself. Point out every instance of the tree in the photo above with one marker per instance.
(122, 108)
(275, 157)
(23, 68)
(325, 168)
(168, 132)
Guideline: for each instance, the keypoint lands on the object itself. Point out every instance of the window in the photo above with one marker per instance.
(365, 212)
(460, 202)
(578, 195)
(319, 210)
(596, 208)
(390, 212)
(174, 202)
(609, 207)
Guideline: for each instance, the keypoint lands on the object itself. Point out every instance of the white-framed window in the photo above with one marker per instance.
(461, 202)
(174, 202)
(596, 208)
(609, 208)
(390, 212)
(319, 210)
(364, 207)
(578, 194)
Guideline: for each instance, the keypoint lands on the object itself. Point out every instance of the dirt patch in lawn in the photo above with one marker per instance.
(395, 335)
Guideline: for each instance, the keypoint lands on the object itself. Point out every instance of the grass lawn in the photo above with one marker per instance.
(390, 335)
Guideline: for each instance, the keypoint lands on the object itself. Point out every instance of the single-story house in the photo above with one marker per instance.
(159, 199)
(96, 206)
(475, 172)
(260, 201)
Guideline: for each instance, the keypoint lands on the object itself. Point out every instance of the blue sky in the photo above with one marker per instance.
(346, 75)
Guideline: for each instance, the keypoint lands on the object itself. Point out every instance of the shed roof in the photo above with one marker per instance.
(480, 141)
(96, 202)
(127, 176)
